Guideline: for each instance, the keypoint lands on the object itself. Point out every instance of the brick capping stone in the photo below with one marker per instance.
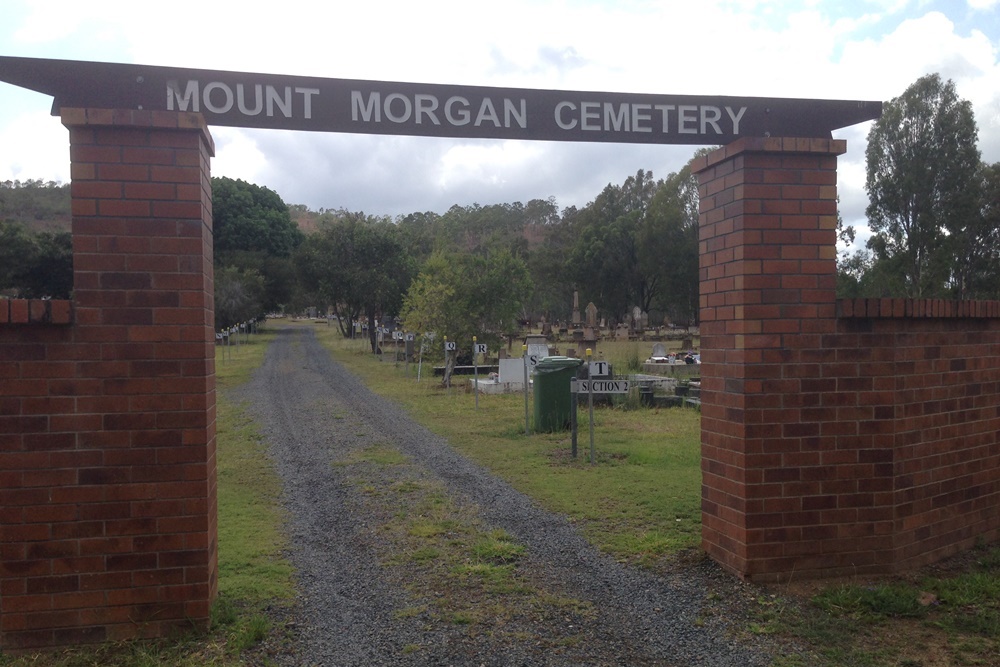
(36, 311)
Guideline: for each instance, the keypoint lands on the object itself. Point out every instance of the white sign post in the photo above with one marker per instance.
(449, 348)
(397, 337)
(592, 386)
(475, 368)
(407, 339)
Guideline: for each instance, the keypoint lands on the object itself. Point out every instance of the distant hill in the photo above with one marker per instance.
(46, 206)
(40, 206)
(306, 220)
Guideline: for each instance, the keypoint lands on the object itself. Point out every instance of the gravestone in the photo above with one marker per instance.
(591, 313)
(636, 319)
(659, 350)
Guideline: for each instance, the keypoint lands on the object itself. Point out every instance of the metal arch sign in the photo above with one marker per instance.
(242, 99)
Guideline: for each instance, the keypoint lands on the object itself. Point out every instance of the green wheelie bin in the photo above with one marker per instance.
(553, 401)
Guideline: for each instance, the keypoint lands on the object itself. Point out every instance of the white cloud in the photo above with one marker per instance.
(846, 49)
(237, 155)
(36, 146)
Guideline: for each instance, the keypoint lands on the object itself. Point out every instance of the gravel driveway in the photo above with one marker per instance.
(359, 606)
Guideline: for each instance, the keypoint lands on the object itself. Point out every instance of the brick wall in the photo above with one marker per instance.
(937, 385)
(837, 437)
(107, 405)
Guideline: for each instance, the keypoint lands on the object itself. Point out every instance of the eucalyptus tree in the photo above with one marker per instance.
(604, 260)
(977, 252)
(922, 165)
(668, 246)
(550, 238)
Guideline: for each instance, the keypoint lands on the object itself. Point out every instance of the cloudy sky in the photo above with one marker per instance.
(838, 49)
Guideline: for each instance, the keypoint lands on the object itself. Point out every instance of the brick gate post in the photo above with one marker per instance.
(114, 487)
(768, 297)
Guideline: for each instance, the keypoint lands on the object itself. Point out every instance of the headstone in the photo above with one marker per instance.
(591, 315)
(636, 317)
(659, 350)
(576, 308)
(621, 333)
(511, 372)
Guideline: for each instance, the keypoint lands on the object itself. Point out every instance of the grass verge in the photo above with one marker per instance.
(458, 572)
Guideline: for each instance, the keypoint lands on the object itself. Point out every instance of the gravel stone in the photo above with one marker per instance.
(313, 413)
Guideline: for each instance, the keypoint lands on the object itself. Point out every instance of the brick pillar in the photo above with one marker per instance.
(768, 279)
(110, 501)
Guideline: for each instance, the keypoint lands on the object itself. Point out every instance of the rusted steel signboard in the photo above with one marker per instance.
(242, 99)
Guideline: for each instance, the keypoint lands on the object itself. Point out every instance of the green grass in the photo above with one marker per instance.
(919, 621)
(642, 499)
(456, 569)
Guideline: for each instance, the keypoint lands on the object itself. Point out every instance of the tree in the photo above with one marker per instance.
(922, 163)
(668, 245)
(604, 261)
(459, 296)
(976, 242)
(551, 238)
(239, 296)
(35, 265)
(356, 264)
(418, 231)
(254, 232)
(39, 205)
(251, 218)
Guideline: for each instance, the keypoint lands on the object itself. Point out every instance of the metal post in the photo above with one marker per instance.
(574, 396)
(590, 401)
(475, 371)
(446, 353)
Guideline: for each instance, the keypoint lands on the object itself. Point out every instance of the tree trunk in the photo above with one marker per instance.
(373, 331)
(449, 368)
